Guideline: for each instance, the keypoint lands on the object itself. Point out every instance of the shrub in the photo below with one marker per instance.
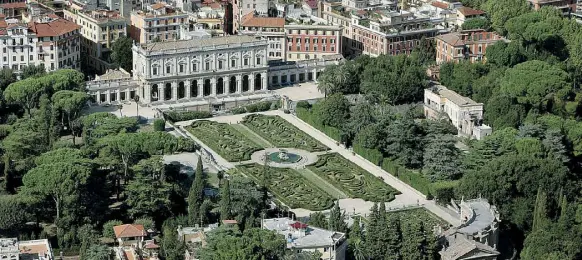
(309, 117)
(238, 110)
(371, 155)
(159, 125)
(415, 179)
(177, 116)
(444, 191)
(303, 104)
(108, 228)
(147, 223)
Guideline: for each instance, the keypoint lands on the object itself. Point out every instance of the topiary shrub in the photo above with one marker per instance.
(238, 110)
(303, 104)
(177, 116)
(159, 125)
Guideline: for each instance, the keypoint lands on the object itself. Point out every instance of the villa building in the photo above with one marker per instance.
(12, 249)
(301, 237)
(468, 45)
(465, 114)
(99, 30)
(270, 28)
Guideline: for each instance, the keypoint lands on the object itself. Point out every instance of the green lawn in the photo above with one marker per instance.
(281, 133)
(351, 179)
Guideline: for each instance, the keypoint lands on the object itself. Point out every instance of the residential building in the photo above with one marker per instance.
(130, 235)
(49, 41)
(13, 9)
(210, 17)
(302, 237)
(294, 72)
(194, 238)
(465, 13)
(563, 5)
(270, 28)
(477, 235)
(99, 30)
(387, 32)
(468, 45)
(337, 14)
(464, 113)
(312, 41)
(242, 7)
(160, 22)
(12, 249)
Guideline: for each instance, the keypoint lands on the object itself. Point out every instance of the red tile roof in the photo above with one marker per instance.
(53, 28)
(298, 225)
(467, 11)
(453, 39)
(129, 230)
(250, 20)
(20, 5)
(440, 5)
(311, 3)
(157, 6)
(229, 221)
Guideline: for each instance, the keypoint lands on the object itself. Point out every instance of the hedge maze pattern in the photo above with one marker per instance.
(232, 145)
(290, 187)
(281, 133)
(351, 179)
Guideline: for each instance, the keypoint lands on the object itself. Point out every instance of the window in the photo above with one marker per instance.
(181, 68)
(168, 69)
(259, 60)
(315, 48)
(219, 64)
(207, 66)
(194, 67)
(232, 63)
(298, 48)
(14, 58)
(323, 47)
(246, 62)
(155, 70)
(22, 58)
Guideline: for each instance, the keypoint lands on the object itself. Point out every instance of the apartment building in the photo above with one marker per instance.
(563, 5)
(13, 9)
(99, 30)
(270, 28)
(387, 32)
(337, 14)
(468, 45)
(49, 41)
(306, 42)
(465, 13)
(160, 22)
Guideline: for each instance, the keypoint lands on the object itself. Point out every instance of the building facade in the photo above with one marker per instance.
(12, 249)
(468, 45)
(270, 28)
(306, 42)
(464, 113)
(99, 30)
(48, 41)
(160, 22)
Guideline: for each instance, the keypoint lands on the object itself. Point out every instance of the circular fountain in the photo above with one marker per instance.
(283, 156)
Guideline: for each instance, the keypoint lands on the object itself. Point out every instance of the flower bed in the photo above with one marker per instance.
(290, 187)
(223, 139)
(351, 179)
(281, 133)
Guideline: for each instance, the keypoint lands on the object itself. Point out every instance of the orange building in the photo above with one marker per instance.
(465, 45)
(160, 22)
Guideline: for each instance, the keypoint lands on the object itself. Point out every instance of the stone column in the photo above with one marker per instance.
(187, 84)
(146, 96)
(238, 83)
(108, 96)
(128, 93)
(174, 91)
(161, 91)
(226, 83)
(252, 82)
(98, 97)
(213, 86)
(200, 87)
(118, 95)
(265, 83)
(315, 75)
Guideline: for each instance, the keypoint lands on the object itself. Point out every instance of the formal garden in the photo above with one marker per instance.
(420, 214)
(289, 187)
(224, 139)
(351, 179)
(282, 133)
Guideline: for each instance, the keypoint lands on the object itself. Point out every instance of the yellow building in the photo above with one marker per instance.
(160, 22)
(99, 29)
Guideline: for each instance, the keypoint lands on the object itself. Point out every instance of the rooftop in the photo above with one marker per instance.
(459, 246)
(251, 20)
(114, 74)
(54, 27)
(8, 245)
(129, 230)
(440, 5)
(467, 11)
(34, 249)
(204, 42)
(299, 235)
(452, 96)
(484, 216)
(14, 5)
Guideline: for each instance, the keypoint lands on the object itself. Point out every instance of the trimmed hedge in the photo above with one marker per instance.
(351, 179)
(308, 116)
(224, 139)
(444, 191)
(159, 125)
(177, 116)
(371, 155)
(256, 107)
(414, 179)
(290, 187)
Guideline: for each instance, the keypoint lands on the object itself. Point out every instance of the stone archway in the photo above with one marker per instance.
(220, 86)
(155, 94)
(245, 83)
(181, 90)
(168, 91)
(258, 82)
(194, 88)
(207, 87)
(232, 85)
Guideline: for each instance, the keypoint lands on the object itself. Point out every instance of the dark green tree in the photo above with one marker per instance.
(121, 53)
(337, 219)
(334, 111)
(318, 219)
(225, 205)
(196, 195)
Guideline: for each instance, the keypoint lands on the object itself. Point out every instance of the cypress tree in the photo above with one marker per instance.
(337, 219)
(540, 211)
(355, 229)
(392, 234)
(225, 203)
(196, 194)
